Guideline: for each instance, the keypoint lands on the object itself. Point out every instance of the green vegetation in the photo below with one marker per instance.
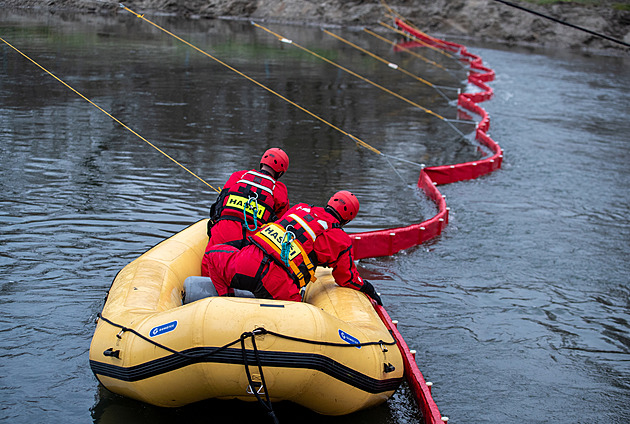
(622, 6)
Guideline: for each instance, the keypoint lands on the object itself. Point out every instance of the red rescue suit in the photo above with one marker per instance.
(264, 269)
(244, 193)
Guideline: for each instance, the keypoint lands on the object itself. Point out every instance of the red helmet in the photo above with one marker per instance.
(277, 159)
(345, 204)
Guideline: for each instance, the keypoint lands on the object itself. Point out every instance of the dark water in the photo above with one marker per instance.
(519, 312)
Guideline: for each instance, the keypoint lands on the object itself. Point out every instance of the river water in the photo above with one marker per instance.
(519, 312)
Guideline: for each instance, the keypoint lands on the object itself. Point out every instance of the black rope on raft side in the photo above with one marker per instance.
(161, 346)
(255, 332)
(317, 342)
(266, 402)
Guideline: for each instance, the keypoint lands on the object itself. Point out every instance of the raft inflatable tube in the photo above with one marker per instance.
(330, 353)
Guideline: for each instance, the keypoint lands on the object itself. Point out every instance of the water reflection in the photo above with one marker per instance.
(519, 306)
(110, 408)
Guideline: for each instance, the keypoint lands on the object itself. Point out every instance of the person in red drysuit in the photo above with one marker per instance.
(232, 216)
(280, 259)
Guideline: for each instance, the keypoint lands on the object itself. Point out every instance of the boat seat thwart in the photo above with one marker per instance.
(196, 288)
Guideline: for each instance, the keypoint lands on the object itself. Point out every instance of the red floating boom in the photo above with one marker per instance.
(387, 242)
(390, 241)
(415, 380)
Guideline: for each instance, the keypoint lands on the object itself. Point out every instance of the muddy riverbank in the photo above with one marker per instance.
(482, 20)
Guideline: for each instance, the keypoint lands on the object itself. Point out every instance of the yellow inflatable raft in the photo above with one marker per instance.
(330, 353)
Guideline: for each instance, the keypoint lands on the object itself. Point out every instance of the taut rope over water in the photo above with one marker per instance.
(415, 54)
(388, 63)
(357, 140)
(110, 115)
(387, 90)
(424, 43)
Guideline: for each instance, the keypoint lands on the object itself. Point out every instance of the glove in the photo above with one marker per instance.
(368, 289)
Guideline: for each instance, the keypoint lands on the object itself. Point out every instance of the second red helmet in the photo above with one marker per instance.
(345, 204)
(277, 159)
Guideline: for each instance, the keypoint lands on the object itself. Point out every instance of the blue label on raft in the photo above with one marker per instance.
(164, 328)
(349, 339)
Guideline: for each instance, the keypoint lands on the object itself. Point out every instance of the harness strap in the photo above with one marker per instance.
(260, 175)
(306, 260)
(294, 268)
(276, 261)
(260, 186)
(310, 268)
(304, 225)
(259, 274)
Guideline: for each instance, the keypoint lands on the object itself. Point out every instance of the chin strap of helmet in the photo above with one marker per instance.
(334, 213)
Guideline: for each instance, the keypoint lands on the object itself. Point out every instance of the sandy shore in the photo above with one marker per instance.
(483, 20)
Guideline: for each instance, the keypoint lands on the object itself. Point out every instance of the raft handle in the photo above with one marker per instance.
(113, 353)
(259, 389)
(389, 368)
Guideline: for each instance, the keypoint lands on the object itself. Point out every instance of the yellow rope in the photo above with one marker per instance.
(356, 139)
(108, 114)
(435, 40)
(396, 14)
(393, 43)
(417, 40)
(385, 61)
(353, 73)
(386, 6)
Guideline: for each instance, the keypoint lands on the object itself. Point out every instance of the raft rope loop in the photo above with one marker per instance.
(287, 239)
(252, 204)
(110, 115)
(388, 63)
(258, 331)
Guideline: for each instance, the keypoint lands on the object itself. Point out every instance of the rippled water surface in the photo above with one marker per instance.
(519, 312)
